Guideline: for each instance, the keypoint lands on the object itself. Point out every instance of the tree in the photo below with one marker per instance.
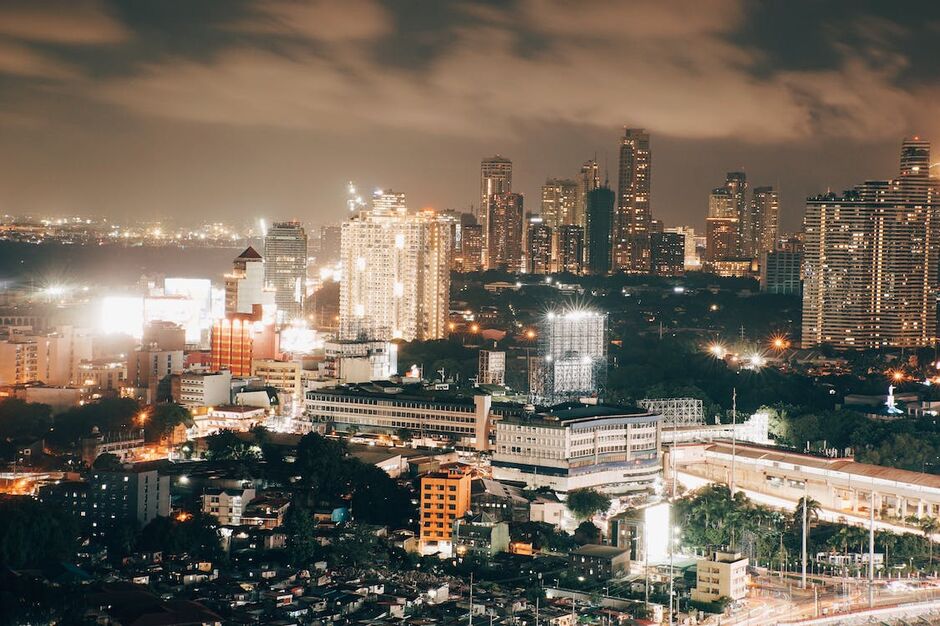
(195, 534)
(163, 418)
(302, 545)
(108, 462)
(584, 503)
(929, 526)
(226, 445)
(587, 532)
(24, 419)
(32, 533)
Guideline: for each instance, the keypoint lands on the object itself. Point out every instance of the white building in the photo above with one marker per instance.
(288, 377)
(228, 417)
(53, 358)
(492, 370)
(721, 575)
(395, 273)
(692, 261)
(359, 361)
(573, 355)
(205, 389)
(244, 285)
(574, 446)
(227, 505)
(390, 409)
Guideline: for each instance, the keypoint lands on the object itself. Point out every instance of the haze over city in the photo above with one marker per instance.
(267, 107)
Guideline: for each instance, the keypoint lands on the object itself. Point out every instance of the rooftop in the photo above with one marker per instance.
(597, 550)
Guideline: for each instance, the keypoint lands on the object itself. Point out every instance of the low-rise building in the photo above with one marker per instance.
(228, 505)
(227, 417)
(482, 536)
(721, 575)
(197, 390)
(574, 446)
(598, 562)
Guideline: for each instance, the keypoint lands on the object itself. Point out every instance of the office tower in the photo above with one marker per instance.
(395, 274)
(667, 254)
(692, 259)
(238, 338)
(559, 202)
(736, 184)
(588, 180)
(600, 216)
(244, 285)
(633, 217)
(571, 248)
(495, 179)
(722, 227)
(765, 209)
(492, 368)
(780, 271)
(328, 245)
(505, 237)
(285, 268)
(539, 237)
(572, 355)
(870, 260)
(471, 248)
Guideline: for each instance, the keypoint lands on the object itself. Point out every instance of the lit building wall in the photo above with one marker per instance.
(285, 268)
(572, 355)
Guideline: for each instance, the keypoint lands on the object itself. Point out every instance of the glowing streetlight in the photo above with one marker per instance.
(779, 342)
(474, 328)
(530, 334)
(897, 376)
(717, 350)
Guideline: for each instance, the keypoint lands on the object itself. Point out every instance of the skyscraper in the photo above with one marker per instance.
(495, 179)
(396, 273)
(505, 236)
(559, 202)
(632, 223)
(588, 180)
(539, 247)
(471, 248)
(600, 215)
(722, 227)
(285, 268)
(571, 248)
(736, 184)
(765, 210)
(870, 260)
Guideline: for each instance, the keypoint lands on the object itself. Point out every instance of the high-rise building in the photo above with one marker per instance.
(244, 286)
(395, 273)
(505, 237)
(781, 271)
(870, 260)
(633, 217)
(559, 202)
(722, 227)
(471, 248)
(692, 259)
(736, 184)
(285, 268)
(240, 337)
(539, 247)
(600, 216)
(667, 254)
(588, 180)
(495, 179)
(571, 248)
(572, 355)
(765, 211)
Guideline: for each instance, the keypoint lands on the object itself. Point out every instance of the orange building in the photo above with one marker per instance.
(240, 337)
(445, 496)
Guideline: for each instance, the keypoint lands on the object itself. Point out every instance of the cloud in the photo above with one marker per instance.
(672, 68)
(319, 20)
(20, 60)
(73, 22)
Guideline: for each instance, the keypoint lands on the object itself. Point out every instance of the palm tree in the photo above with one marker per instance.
(929, 526)
(813, 508)
(888, 541)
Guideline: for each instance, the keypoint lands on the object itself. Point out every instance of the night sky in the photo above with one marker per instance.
(238, 109)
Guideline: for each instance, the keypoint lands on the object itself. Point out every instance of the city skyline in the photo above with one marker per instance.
(790, 118)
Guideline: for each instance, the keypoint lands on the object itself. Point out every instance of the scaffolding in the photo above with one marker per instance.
(676, 411)
(572, 356)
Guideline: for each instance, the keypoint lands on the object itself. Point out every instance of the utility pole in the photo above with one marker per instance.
(470, 620)
(871, 548)
(734, 433)
(671, 577)
(805, 497)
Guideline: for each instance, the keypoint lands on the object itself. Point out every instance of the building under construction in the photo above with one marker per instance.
(572, 355)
